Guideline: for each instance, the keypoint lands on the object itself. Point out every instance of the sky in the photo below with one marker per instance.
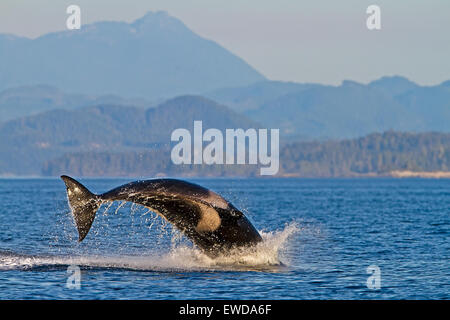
(321, 41)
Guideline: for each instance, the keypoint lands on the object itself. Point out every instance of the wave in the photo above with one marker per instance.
(265, 256)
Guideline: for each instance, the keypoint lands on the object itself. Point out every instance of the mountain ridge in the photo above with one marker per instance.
(27, 142)
(348, 110)
(154, 57)
(24, 101)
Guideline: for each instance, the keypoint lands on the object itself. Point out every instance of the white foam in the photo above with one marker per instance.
(264, 256)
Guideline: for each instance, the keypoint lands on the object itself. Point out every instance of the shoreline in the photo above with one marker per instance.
(420, 174)
(397, 174)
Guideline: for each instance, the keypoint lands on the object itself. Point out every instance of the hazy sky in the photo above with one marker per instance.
(323, 41)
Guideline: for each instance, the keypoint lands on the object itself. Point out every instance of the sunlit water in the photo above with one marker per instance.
(319, 238)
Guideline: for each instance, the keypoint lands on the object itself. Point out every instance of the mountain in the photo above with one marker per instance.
(352, 109)
(253, 96)
(345, 111)
(155, 56)
(28, 100)
(313, 111)
(26, 143)
(302, 111)
(431, 106)
(379, 154)
(393, 85)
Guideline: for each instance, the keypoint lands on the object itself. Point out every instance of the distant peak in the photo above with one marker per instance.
(347, 83)
(392, 80)
(150, 15)
(190, 99)
(157, 19)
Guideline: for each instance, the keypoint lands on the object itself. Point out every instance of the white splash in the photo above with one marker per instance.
(265, 256)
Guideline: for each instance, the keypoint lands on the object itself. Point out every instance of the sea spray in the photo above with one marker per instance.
(266, 253)
(265, 256)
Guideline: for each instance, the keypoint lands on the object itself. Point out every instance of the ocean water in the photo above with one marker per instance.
(320, 236)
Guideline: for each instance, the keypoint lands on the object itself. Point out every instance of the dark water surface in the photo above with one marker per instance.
(320, 237)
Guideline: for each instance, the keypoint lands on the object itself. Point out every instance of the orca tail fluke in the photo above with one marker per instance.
(84, 205)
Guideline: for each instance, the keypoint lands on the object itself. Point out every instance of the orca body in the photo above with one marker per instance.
(207, 219)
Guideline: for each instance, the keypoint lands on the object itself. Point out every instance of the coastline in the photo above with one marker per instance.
(399, 174)
(420, 174)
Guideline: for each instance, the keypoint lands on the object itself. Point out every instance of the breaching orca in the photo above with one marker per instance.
(211, 222)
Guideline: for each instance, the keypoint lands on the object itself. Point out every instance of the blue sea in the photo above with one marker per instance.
(320, 237)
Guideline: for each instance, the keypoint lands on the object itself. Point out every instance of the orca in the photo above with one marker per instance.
(207, 219)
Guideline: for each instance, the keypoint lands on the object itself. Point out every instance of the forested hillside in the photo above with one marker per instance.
(372, 155)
